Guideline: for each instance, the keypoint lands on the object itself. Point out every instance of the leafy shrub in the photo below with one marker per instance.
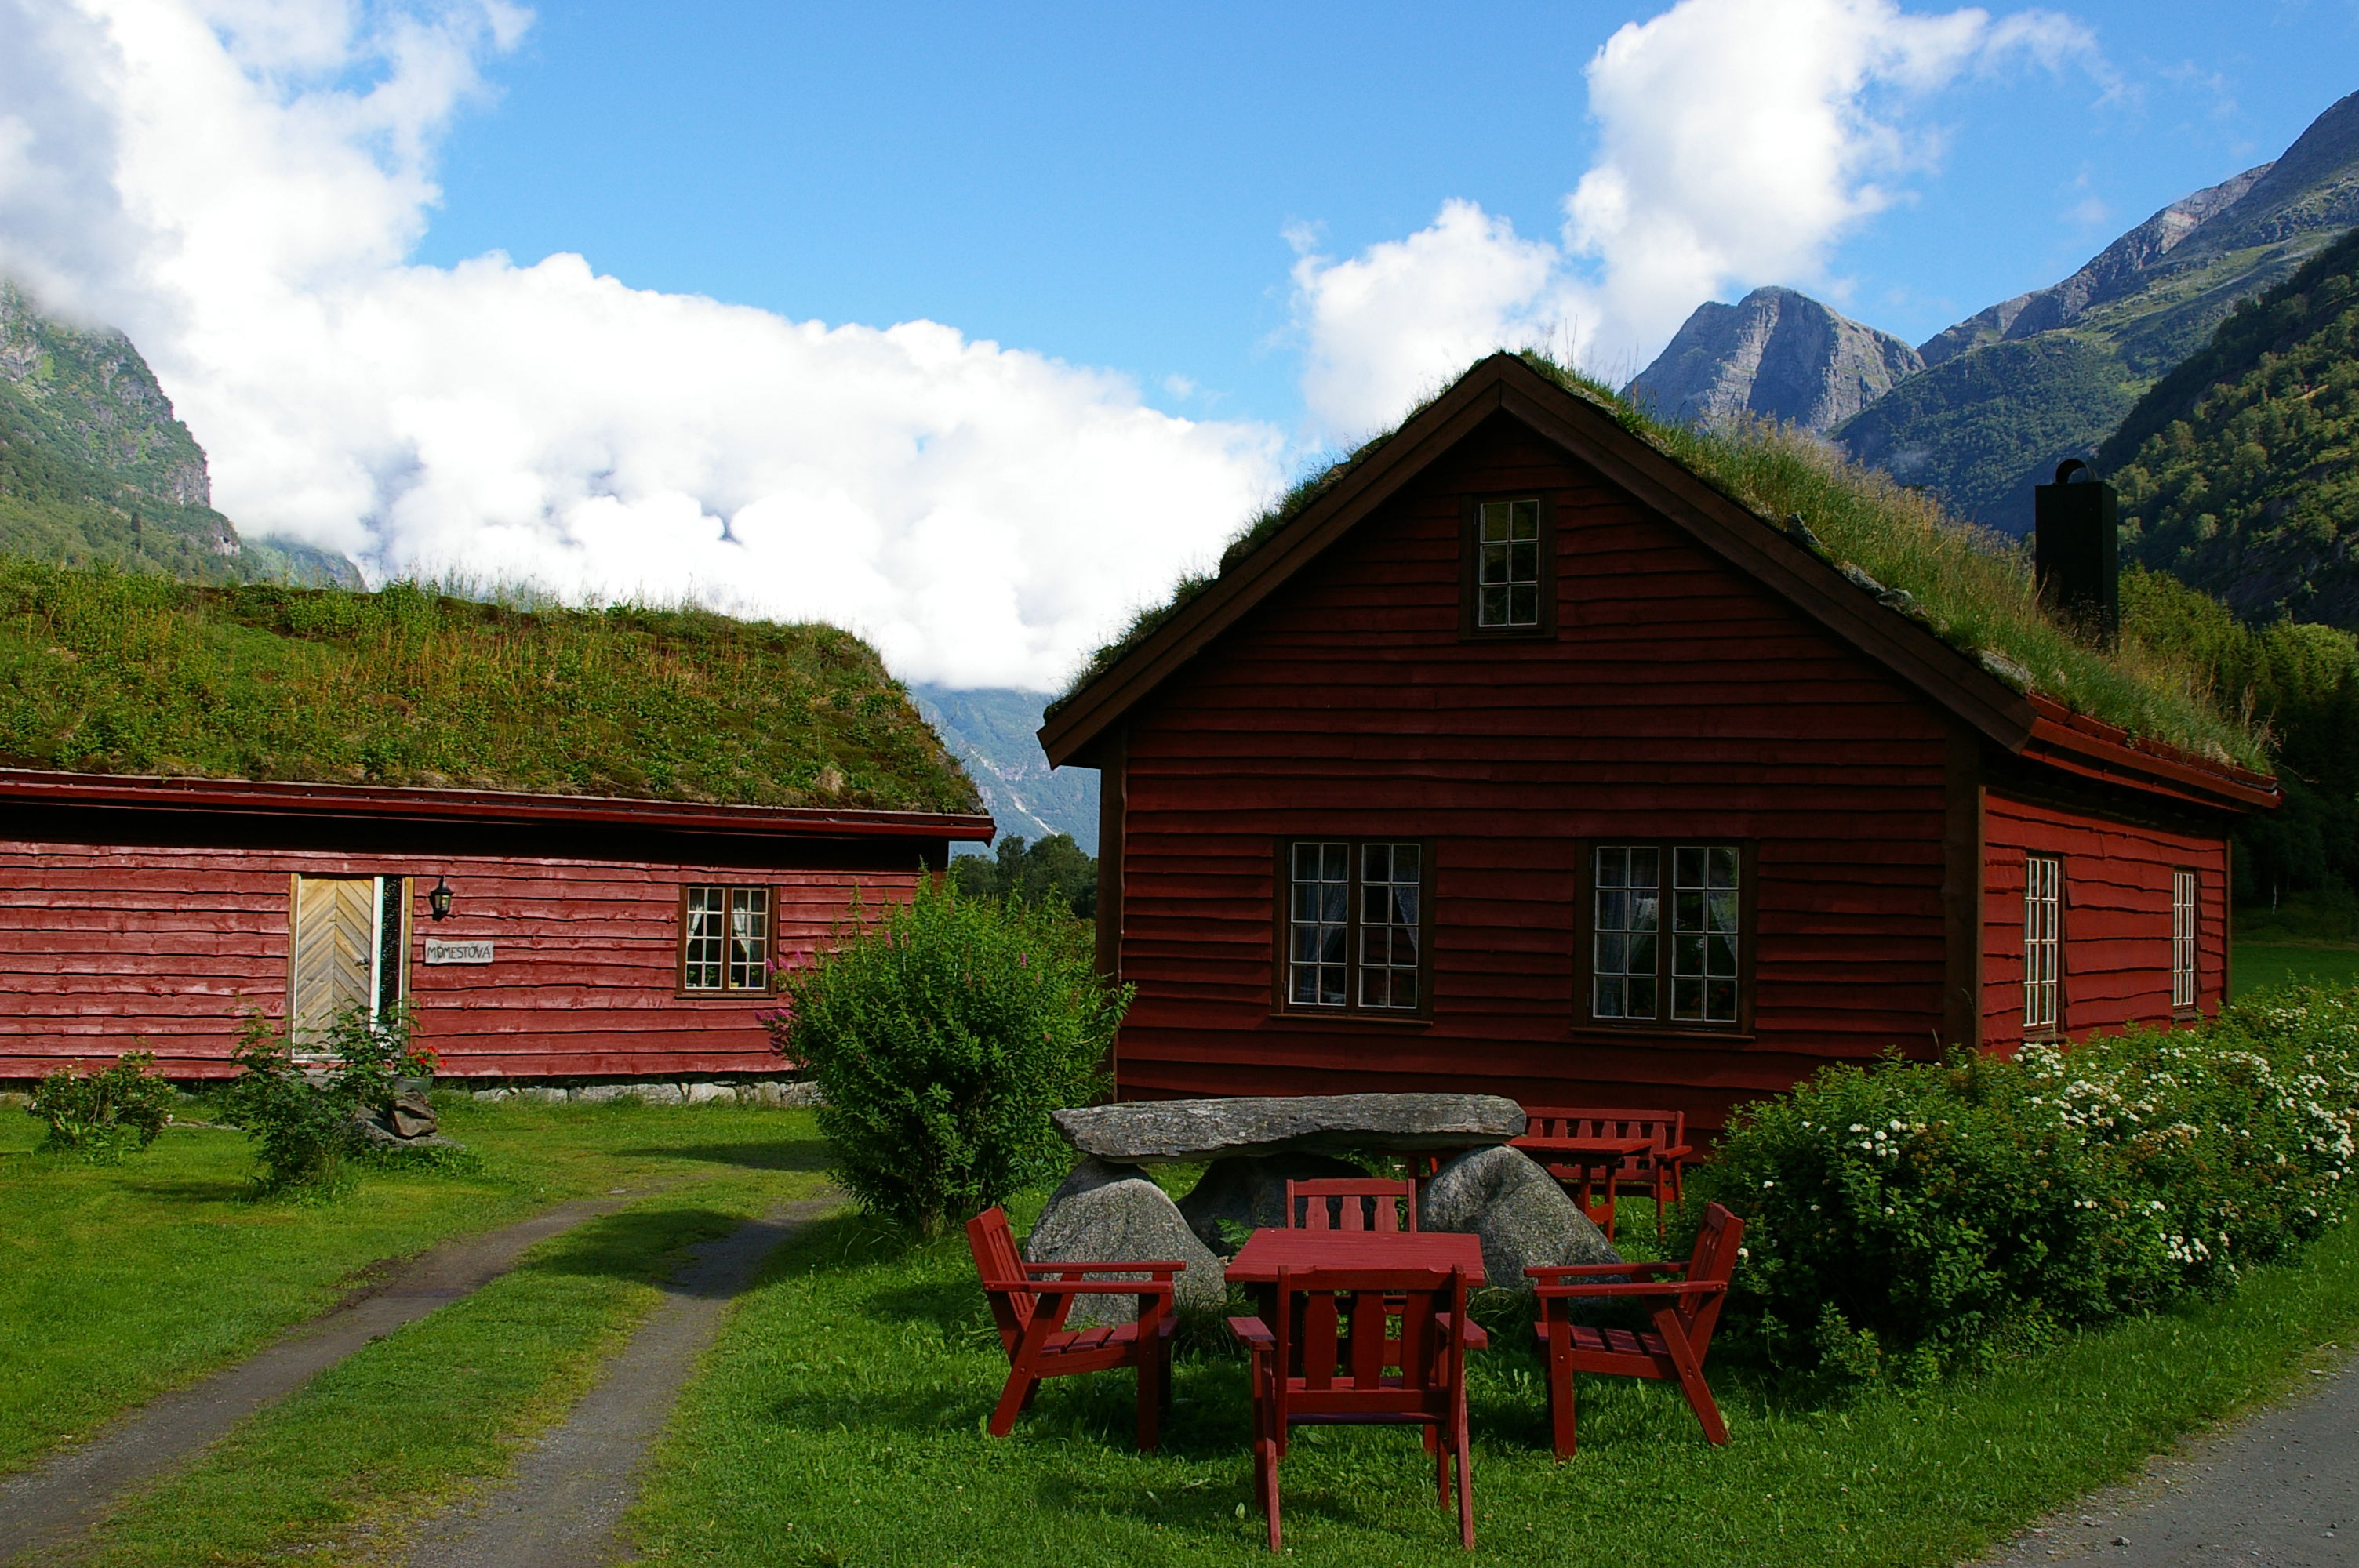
(1903, 1217)
(300, 1108)
(104, 1115)
(942, 1035)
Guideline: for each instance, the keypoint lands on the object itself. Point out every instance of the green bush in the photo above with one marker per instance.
(104, 1115)
(942, 1035)
(1901, 1218)
(299, 1105)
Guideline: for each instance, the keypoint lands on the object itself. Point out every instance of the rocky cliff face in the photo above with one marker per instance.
(96, 467)
(1778, 354)
(92, 396)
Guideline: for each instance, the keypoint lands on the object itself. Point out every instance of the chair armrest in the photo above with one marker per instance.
(1477, 1339)
(1100, 1288)
(1162, 1268)
(1669, 1289)
(1253, 1330)
(1676, 1152)
(1545, 1272)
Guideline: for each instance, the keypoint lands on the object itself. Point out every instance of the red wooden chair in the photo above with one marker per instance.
(1358, 1346)
(1029, 1301)
(1684, 1311)
(1359, 1203)
(1659, 1173)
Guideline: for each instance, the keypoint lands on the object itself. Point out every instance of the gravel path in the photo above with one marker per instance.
(2278, 1490)
(65, 1495)
(572, 1488)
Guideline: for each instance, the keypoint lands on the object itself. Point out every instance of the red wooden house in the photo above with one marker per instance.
(1523, 760)
(536, 936)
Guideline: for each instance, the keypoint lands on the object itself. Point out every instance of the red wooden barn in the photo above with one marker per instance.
(1523, 760)
(536, 936)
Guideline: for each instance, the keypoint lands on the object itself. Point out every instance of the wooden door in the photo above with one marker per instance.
(333, 956)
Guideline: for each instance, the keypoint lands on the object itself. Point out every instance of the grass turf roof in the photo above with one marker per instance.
(111, 671)
(1973, 587)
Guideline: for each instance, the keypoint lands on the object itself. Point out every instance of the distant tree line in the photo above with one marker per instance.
(1034, 873)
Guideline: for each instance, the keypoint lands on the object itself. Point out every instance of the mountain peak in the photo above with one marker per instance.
(1778, 354)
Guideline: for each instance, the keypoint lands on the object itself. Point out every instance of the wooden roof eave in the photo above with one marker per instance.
(282, 798)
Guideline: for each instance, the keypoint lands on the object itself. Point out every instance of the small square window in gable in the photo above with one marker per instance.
(1509, 567)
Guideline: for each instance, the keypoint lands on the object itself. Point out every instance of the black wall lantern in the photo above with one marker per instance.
(439, 900)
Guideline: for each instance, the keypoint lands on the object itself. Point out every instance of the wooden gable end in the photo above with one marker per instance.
(1677, 697)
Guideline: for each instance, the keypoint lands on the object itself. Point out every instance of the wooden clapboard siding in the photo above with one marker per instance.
(105, 946)
(1677, 697)
(2116, 875)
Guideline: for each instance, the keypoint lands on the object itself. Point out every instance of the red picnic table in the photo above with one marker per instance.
(1580, 1159)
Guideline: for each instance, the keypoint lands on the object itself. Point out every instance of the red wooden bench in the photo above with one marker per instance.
(1030, 1301)
(1359, 1346)
(1684, 1313)
(1658, 1172)
(1350, 1202)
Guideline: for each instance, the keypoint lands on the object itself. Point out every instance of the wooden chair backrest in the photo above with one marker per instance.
(1661, 1129)
(1713, 1260)
(1370, 1341)
(1002, 1272)
(1359, 1203)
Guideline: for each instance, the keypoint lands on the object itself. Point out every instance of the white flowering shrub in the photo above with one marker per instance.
(1900, 1218)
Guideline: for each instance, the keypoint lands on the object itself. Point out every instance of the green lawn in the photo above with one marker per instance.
(345, 1472)
(119, 1283)
(839, 1422)
(2259, 963)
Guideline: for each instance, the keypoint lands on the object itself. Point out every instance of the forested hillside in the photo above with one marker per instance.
(2239, 472)
(2298, 683)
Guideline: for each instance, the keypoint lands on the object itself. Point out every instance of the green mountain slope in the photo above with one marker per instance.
(2009, 393)
(2239, 472)
(94, 468)
(105, 671)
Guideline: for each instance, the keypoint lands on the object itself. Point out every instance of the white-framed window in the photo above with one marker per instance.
(2184, 928)
(2042, 908)
(724, 939)
(1355, 924)
(1507, 565)
(1699, 971)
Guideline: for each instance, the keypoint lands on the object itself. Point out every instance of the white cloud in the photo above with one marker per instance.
(1738, 140)
(238, 184)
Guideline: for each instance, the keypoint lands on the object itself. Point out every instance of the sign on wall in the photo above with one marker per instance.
(474, 951)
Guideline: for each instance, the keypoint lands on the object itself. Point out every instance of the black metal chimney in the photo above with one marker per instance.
(2077, 548)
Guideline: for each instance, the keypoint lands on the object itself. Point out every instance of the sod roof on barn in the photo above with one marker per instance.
(1972, 587)
(115, 673)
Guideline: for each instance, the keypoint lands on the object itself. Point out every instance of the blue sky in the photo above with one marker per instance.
(1114, 187)
(972, 329)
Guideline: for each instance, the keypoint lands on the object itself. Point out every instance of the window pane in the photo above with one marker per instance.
(700, 943)
(1621, 965)
(1388, 918)
(2042, 875)
(1508, 563)
(749, 938)
(1705, 917)
(1321, 939)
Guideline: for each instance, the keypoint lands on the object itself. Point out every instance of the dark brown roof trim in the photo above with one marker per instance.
(281, 799)
(2078, 743)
